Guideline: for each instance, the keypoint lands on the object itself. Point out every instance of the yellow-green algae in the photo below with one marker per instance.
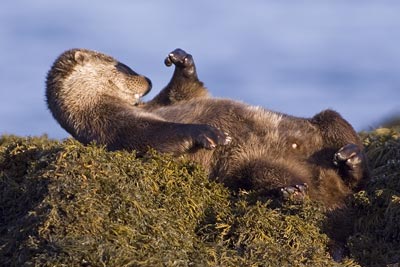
(65, 204)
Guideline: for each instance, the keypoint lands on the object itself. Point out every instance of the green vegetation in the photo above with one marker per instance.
(64, 204)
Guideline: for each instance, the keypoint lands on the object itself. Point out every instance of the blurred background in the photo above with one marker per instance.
(297, 57)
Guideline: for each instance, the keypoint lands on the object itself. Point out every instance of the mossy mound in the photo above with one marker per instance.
(64, 204)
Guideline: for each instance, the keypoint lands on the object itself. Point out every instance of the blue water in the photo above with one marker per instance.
(297, 57)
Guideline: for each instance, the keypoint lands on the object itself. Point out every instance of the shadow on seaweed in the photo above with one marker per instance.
(22, 192)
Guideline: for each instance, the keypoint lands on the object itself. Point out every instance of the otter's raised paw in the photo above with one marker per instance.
(349, 155)
(210, 137)
(296, 192)
(181, 60)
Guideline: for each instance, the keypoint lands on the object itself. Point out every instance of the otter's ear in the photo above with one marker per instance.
(79, 56)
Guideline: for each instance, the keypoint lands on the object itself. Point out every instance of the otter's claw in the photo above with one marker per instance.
(297, 192)
(211, 137)
(350, 155)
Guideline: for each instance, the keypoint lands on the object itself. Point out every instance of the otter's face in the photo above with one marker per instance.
(110, 77)
(129, 83)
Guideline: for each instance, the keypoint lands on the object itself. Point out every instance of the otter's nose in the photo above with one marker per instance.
(150, 85)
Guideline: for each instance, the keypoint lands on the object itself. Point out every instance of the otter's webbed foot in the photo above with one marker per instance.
(350, 159)
(210, 137)
(350, 155)
(183, 61)
(297, 192)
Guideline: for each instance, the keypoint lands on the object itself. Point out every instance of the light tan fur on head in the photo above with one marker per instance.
(81, 79)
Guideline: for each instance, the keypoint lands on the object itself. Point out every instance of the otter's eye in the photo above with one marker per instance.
(124, 68)
(295, 146)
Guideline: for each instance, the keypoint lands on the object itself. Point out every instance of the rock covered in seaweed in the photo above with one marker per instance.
(64, 203)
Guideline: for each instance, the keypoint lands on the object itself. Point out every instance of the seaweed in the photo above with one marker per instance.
(65, 204)
(376, 238)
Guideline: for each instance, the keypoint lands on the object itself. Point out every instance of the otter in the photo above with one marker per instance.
(94, 98)
(269, 152)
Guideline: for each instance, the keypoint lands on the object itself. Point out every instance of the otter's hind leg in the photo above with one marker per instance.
(342, 147)
(336, 131)
(184, 84)
(274, 177)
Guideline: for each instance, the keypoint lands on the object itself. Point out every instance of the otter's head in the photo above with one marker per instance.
(80, 80)
(90, 75)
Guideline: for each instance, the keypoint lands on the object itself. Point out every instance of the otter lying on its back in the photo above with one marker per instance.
(93, 97)
(270, 152)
